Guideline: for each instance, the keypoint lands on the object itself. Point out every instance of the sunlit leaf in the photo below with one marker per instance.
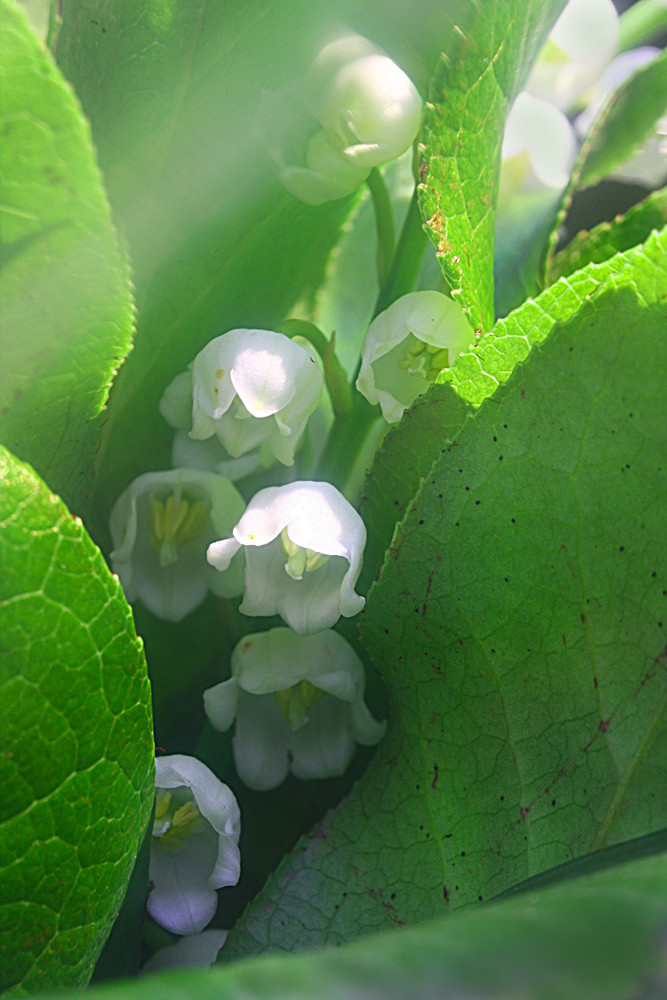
(77, 748)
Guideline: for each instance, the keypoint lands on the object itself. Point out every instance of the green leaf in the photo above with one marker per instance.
(477, 374)
(64, 288)
(523, 653)
(626, 119)
(215, 240)
(596, 936)
(469, 100)
(610, 238)
(403, 459)
(625, 122)
(78, 756)
(410, 448)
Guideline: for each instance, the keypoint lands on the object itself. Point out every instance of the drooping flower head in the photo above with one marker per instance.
(298, 705)
(370, 109)
(251, 388)
(304, 544)
(161, 526)
(354, 109)
(407, 346)
(194, 847)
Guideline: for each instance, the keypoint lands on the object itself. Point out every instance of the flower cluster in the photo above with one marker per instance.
(296, 692)
(355, 109)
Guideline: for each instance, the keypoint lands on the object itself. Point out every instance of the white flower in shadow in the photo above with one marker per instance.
(194, 848)
(298, 705)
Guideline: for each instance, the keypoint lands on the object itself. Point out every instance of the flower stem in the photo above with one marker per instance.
(349, 431)
(384, 223)
(407, 259)
(641, 23)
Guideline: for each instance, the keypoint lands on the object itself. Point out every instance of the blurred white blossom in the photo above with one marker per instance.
(354, 109)
(298, 705)
(580, 45)
(304, 545)
(407, 346)
(539, 147)
(194, 848)
(161, 526)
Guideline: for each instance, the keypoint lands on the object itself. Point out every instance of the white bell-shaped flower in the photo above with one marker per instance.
(580, 45)
(539, 147)
(407, 346)
(194, 848)
(371, 110)
(298, 705)
(304, 545)
(161, 526)
(255, 389)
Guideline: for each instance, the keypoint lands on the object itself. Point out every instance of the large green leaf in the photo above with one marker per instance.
(610, 238)
(596, 936)
(476, 374)
(469, 99)
(518, 623)
(411, 447)
(215, 241)
(64, 289)
(77, 749)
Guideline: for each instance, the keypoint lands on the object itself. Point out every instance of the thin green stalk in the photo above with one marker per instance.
(384, 223)
(641, 24)
(407, 259)
(350, 430)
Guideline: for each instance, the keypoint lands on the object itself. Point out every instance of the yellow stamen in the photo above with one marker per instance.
(300, 561)
(173, 522)
(425, 360)
(295, 701)
(173, 824)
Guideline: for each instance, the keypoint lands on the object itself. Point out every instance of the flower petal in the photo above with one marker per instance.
(181, 899)
(220, 703)
(279, 658)
(260, 742)
(324, 747)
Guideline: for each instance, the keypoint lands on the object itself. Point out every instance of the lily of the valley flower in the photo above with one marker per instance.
(370, 109)
(251, 388)
(298, 705)
(304, 544)
(579, 47)
(161, 526)
(539, 146)
(407, 346)
(194, 848)
(353, 110)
